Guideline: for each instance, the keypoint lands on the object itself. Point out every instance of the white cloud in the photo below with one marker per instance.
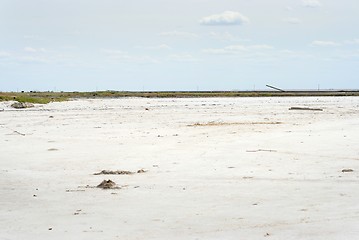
(237, 49)
(290, 54)
(126, 57)
(31, 59)
(335, 44)
(324, 44)
(46, 57)
(31, 55)
(112, 52)
(157, 47)
(226, 36)
(260, 53)
(225, 18)
(184, 57)
(222, 36)
(33, 37)
(179, 34)
(29, 49)
(292, 20)
(260, 47)
(311, 3)
(354, 41)
(34, 50)
(350, 55)
(4, 54)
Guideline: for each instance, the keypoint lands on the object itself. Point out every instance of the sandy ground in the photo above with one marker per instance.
(217, 168)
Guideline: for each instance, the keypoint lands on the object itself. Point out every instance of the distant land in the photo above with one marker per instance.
(46, 97)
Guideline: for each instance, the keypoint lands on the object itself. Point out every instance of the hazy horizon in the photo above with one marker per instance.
(159, 45)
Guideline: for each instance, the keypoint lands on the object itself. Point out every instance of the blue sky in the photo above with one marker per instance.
(87, 45)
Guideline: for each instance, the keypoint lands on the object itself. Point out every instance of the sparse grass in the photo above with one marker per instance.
(46, 97)
(32, 99)
(39, 98)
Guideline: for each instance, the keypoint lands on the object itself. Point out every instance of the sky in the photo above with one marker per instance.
(160, 45)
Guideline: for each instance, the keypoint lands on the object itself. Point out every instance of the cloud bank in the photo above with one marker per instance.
(225, 18)
(156, 47)
(324, 44)
(311, 3)
(184, 57)
(237, 49)
(34, 50)
(178, 34)
(292, 20)
(121, 56)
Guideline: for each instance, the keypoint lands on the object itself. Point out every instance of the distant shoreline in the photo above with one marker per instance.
(46, 97)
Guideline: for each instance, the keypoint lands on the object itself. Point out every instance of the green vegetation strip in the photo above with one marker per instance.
(46, 97)
(31, 98)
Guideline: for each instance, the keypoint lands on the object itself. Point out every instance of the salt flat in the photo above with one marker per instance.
(216, 168)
